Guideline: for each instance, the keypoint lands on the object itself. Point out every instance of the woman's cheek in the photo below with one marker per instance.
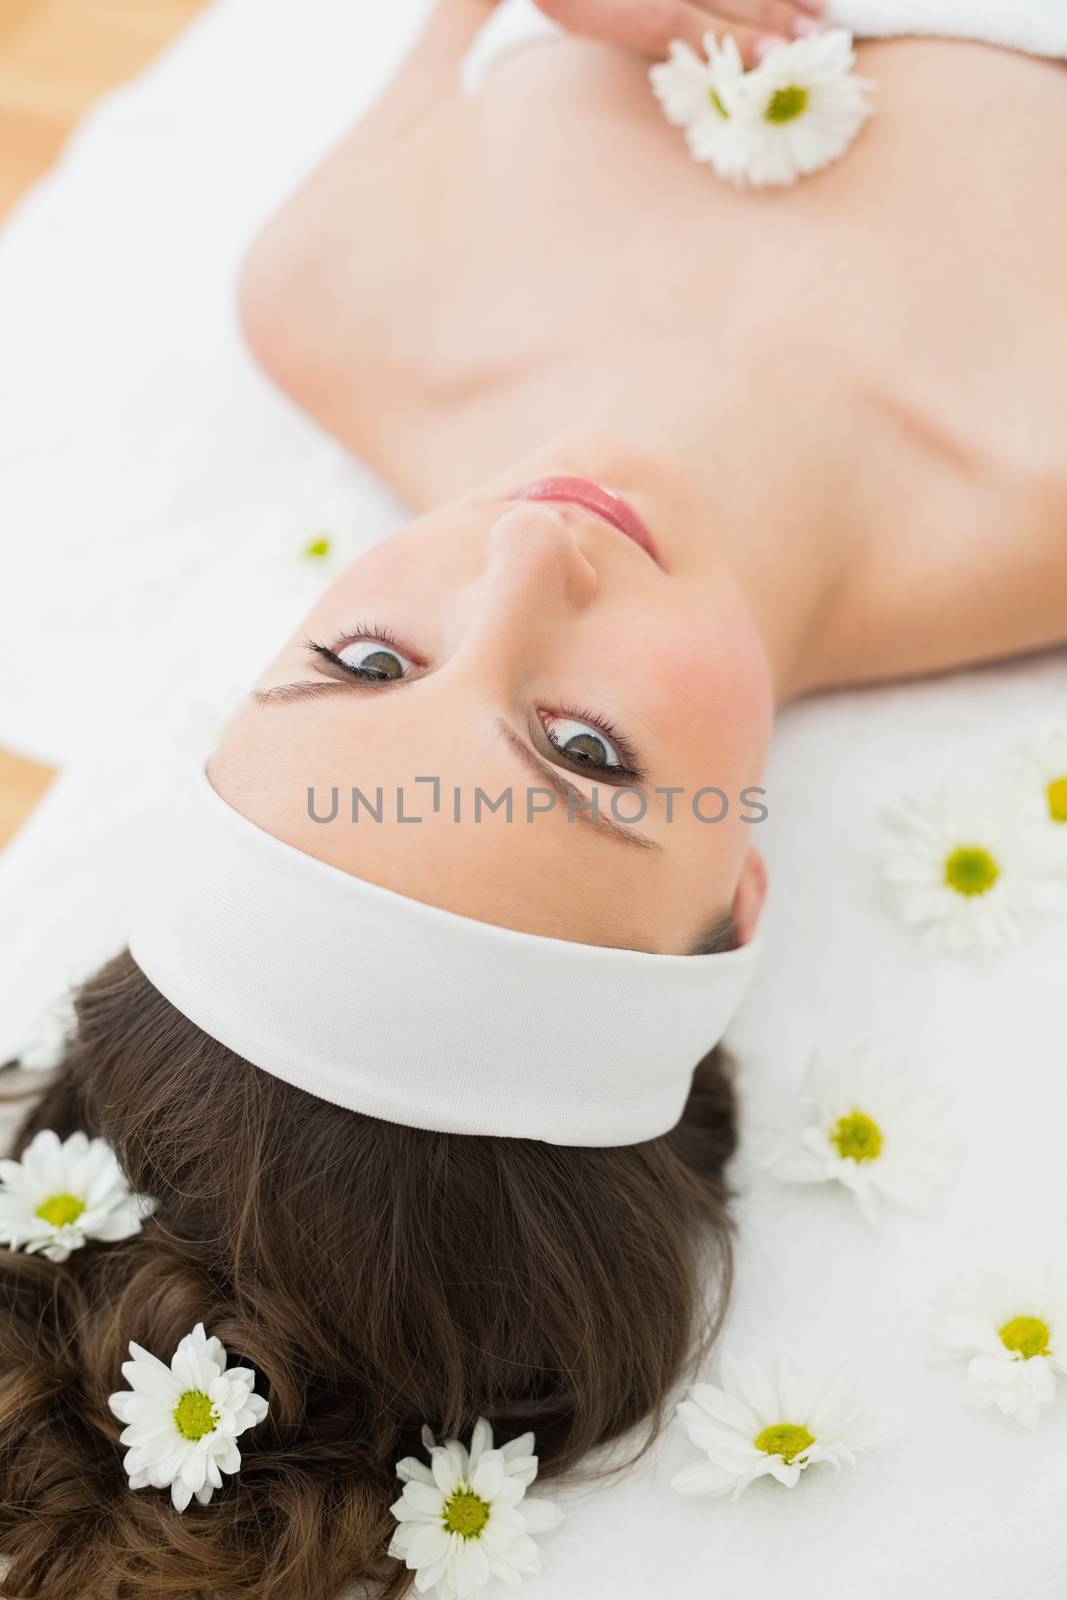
(713, 711)
(684, 686)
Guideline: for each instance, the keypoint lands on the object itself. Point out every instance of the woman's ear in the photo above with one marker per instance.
(749, 898)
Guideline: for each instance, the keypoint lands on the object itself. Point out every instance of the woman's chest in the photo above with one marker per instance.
(524, 258)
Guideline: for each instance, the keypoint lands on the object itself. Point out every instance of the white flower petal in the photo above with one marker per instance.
(481, 1440)
(969, 1322)
(427, 1543)
(721, 1406)
(488, 1477)
(455, 1565)
(159, 1454)
(429, 1577)
(180, 1493)
(769, 1396)
(471, 1567)
(1029, 881)
(448, 1472)
(227, 1455)
(729, 1449)
(757, 1389)
(147, 1375)
(520, 1458)
(79, 1167)
(424, 1499)
(907, 1155)
(683, 85)
(409, 1469)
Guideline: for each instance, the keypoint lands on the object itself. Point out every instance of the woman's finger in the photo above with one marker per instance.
(753, 43)
(755, 12)
(770, 16)
(649, 27)
(645, 26)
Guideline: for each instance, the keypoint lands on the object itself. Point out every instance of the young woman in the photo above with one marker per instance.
(680, 452)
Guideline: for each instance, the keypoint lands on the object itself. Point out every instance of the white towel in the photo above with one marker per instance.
(1038, 27)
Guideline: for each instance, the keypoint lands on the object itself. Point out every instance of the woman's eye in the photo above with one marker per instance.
(582, 743)
(373, 658)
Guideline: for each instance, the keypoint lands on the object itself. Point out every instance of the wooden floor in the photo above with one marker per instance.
(56, 58)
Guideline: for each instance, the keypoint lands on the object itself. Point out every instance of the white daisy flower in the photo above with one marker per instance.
(326, 527)
(972, 875)
(1011, 1327)
(60, 1195)
(806, 106)
(684, 86)
(797, 111)
(775, 1422)
(466, 1517)
(705, 98)
(183, 1420)
(875, 1128)
(327, 550)
(1041, 782)
(46, 1045)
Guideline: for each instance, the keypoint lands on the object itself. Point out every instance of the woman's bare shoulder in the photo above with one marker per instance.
(971, 568)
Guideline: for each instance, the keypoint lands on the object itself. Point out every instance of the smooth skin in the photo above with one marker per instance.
(841, 409)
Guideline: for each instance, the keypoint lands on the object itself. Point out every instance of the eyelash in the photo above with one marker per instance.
(629, 768)
(356, 636)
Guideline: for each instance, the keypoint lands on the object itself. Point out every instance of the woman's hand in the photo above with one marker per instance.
(649, 26)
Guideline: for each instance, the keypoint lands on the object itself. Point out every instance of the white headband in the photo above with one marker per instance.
(384, 1005)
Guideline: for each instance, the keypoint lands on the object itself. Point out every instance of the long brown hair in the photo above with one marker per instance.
(376, 1277)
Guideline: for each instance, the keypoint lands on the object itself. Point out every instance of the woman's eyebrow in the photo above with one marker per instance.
(578, 805)
(283, 694)
(334, 677)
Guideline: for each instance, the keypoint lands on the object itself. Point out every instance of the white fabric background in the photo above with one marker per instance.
(153, 492)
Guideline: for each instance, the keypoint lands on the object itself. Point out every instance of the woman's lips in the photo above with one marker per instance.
(598, 501)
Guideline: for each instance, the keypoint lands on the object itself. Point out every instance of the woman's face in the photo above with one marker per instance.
(524, 646)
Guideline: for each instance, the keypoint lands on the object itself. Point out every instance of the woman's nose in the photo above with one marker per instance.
(535, 563)
(534, 580)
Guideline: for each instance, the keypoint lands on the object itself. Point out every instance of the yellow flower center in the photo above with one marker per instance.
(785, 1439)
(1026, 1337)
(194, 1415)
(465, 1513)
(971, 870)
(787, 104)
(717, 103)
(60, 1209)
(857, 1137)
(318, 549)
(1057, 800)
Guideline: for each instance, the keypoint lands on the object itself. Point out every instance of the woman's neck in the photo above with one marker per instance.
(776, 499)
(739, 478)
